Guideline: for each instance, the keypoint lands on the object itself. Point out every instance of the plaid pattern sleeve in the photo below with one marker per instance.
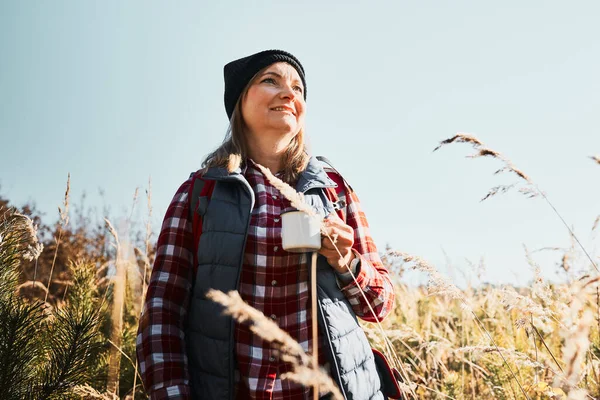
(160, 339)
(373, 278)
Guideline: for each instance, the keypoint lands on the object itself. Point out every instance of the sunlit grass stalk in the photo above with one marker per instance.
(89, 393)
(146, 264)
(118, 302)
(315, 325)
(290, 350)
(64, 220)
(546, 346)
(535, 346)
(120, 350)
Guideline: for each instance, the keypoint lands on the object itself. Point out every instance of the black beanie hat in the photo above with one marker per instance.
(239, 72)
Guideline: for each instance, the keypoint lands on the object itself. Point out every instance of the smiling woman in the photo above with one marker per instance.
(257, 126)
(273, 109)
(223, 231)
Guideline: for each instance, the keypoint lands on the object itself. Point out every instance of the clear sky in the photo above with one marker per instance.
(115, 92)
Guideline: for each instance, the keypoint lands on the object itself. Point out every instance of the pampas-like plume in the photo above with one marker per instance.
(34, 247)
(89, 393)
(261, 325)
(297, 199)
(578, 394)
(540, 288)
(518, 357)
(306, 376)
(526, 309)
(438, 284)
(575, 333)
(290, 350)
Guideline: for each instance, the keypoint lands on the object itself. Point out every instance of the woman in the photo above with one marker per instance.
(186, 348)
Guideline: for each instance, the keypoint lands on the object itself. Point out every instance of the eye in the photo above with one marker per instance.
(298, 89)
(270, 80)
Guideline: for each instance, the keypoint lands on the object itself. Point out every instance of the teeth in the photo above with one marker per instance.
(281, 109)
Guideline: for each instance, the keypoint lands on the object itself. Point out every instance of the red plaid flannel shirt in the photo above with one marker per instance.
(273, 281)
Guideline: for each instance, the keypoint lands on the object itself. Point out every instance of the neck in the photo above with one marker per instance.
(268, 154)
(268, 159)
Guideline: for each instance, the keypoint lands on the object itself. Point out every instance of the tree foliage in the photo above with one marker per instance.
(56, 349)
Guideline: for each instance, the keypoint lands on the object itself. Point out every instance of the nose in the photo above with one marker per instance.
(288, 92)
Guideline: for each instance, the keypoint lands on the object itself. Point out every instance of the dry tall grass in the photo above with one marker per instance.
(488, 342)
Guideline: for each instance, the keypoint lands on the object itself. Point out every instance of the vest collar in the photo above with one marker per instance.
(314, 176)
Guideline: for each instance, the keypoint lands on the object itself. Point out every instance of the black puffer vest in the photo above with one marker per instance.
(210, 335)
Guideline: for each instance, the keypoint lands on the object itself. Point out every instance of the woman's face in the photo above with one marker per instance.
(274, 103)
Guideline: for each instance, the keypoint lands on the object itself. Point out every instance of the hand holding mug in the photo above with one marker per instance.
(343, 237)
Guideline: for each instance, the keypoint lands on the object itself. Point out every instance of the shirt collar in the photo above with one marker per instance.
(313, 175)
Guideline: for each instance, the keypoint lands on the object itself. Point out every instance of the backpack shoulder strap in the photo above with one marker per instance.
(330, 168)
(338, 195)
(200, 190)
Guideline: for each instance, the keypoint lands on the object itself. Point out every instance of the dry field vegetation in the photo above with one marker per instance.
(71, 293)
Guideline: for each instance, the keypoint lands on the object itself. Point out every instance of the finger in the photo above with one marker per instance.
(329, 232)
(332, 216)
(340, 239)
(340, 227)
(338, 236)
(343, 245)
(328, 244)
(333, 220)
(332, 256)
(334, 253)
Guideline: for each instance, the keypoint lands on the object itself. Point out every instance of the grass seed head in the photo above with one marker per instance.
(297, 199)
(259, 324)
(596, 222)
(64, 211)
(460, 138)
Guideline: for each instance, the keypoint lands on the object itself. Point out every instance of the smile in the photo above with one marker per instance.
(284, 109)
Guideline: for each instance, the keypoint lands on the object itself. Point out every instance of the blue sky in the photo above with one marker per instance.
(117, 92)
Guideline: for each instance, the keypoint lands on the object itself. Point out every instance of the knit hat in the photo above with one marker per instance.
(239, 72)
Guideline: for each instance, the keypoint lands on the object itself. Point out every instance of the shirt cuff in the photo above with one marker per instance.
(344, 279)
(175, 392)
(364, 276)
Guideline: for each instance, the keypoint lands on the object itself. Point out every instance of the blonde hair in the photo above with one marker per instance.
(234, 150)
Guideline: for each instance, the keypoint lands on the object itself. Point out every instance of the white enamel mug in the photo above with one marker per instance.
(300, 232)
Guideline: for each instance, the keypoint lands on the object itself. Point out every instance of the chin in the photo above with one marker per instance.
(287, 129)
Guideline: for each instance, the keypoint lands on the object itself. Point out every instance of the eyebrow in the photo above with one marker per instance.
(279, 76)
